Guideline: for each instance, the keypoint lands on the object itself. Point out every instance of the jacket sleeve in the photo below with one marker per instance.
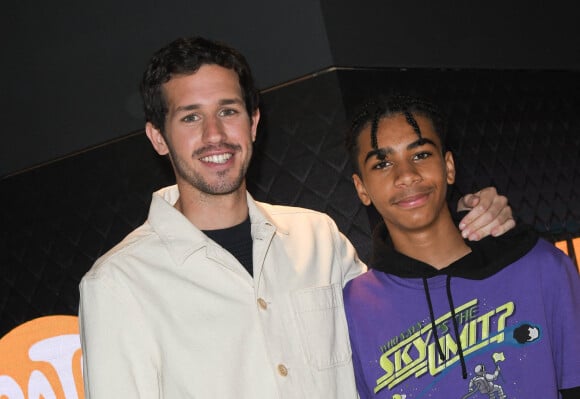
(350, 263)
(117, 348)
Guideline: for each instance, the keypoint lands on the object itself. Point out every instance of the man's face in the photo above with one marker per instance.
(208, 132)
(406, 178)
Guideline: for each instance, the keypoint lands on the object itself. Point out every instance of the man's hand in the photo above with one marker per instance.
(490, 214)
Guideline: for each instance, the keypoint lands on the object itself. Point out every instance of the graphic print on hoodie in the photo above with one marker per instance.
(502, 322)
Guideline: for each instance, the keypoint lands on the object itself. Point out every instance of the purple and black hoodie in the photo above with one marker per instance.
(501, 322)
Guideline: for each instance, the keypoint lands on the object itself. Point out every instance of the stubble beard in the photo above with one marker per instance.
(222, 186)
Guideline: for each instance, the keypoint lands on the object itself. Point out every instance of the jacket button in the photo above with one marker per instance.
(262, 303)
(282, 370)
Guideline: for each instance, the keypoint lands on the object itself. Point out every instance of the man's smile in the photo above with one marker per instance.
(217, 158)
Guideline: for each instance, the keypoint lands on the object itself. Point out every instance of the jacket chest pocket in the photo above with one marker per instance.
(322, 325)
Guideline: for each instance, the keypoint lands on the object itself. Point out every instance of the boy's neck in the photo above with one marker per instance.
(439, 245)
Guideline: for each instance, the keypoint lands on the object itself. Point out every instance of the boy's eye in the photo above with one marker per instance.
(423, 155)
(381, 164)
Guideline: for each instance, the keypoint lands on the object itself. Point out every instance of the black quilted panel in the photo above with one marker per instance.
(300, 158)
(517, 130)
(56, 220)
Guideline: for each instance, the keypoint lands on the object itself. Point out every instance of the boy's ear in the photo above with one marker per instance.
(361, 190)
(156, 138)
(450, 167)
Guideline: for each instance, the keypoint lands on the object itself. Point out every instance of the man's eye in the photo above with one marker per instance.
(228, 112)
(190, 118)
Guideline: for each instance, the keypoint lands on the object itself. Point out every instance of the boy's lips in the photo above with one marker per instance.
(411, 199)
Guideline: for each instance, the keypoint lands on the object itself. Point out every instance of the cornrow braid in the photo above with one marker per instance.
(411, 121)
(374, 128)
(382, 106)
(362, 117)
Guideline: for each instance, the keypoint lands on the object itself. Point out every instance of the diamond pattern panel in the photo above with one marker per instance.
(57, 219)
(517, 130)
(301, 160)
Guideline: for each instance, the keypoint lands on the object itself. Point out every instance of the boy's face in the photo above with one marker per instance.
(406, 178)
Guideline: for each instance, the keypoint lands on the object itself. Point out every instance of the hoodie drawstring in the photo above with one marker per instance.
(456, 328)
(453, 320)
(432, 315)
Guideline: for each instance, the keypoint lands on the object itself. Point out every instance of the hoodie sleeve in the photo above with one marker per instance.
(562, 290)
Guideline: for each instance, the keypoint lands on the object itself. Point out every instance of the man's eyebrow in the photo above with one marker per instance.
(189, 107)
(227, 101)
(193, 107)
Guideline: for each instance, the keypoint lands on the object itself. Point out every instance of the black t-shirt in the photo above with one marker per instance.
(237, 240)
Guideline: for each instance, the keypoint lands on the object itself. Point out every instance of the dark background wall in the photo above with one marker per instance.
(78, 173)
(517, 130)
(495, 34)
(70, 70)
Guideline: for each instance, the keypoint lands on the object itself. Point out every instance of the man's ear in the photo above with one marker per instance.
(254, 119)
(156, 138)
(361, 190)
(450, 167)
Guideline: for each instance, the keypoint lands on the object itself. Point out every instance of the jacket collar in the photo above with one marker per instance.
(183, 239)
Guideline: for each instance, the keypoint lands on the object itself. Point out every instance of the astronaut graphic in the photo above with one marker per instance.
(484, 382)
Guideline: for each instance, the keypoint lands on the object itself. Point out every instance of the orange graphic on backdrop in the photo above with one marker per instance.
(42, 359)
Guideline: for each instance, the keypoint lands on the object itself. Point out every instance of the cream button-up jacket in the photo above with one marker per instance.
(168, 313)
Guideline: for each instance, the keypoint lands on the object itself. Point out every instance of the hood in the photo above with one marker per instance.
(488, 256)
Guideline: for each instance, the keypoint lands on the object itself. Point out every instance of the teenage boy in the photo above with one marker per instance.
(437, 316)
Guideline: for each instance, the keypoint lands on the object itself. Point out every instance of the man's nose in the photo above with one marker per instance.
(213, 130)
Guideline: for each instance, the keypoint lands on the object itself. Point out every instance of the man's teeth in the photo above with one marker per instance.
(220, 158)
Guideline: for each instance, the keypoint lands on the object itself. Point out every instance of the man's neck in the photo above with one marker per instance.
(212, 212)
(439, 245)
